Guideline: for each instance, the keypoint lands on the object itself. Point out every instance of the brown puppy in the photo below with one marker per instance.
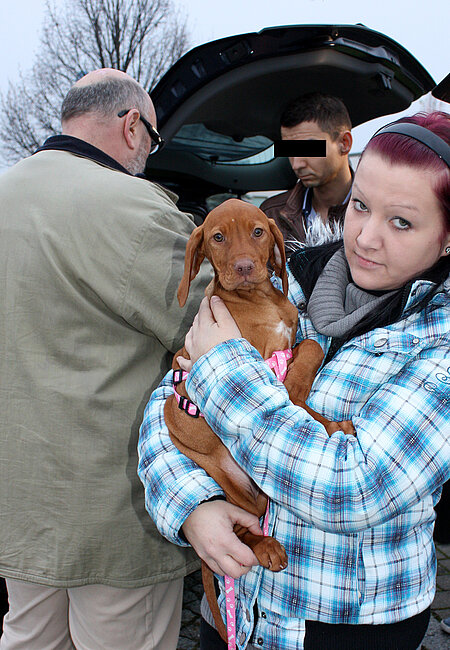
(239, 241)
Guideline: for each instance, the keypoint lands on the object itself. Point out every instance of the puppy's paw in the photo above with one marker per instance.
(346, 426)
(271, 554)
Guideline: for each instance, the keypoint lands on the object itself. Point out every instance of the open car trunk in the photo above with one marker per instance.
(219, 106)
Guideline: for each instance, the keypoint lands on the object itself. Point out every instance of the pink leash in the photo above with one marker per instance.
(278, 362)
(230, 596)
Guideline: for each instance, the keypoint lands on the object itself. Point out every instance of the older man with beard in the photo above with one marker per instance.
(91, 257)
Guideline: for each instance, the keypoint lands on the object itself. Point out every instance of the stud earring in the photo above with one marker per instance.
(447, 250)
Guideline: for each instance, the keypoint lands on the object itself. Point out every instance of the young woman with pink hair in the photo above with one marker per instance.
(355, 513)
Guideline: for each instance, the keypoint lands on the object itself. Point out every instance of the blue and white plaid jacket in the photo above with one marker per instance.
(355, 514)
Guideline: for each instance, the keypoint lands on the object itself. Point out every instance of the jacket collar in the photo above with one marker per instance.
(300, 201)
(420, 287)
(81, 148)
(307, 264)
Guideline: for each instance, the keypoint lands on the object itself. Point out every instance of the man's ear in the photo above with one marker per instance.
(346, 141)
(129, 127)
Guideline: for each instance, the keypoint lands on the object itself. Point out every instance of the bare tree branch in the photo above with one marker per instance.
(141, 37)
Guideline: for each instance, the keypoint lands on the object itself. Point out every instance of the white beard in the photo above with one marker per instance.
(137, 165)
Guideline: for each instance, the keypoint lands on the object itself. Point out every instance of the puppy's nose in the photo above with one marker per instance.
(244, 267)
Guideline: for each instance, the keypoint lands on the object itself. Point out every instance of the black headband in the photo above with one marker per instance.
(421, 134)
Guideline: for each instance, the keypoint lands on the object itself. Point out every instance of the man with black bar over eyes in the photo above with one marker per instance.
(316, 137)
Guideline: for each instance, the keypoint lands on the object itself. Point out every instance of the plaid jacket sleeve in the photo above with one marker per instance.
(342, 484)
(174, 485)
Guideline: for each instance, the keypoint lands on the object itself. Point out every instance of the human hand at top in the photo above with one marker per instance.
(212, 325)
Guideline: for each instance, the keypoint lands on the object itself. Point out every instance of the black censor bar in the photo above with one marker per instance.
(300, 148)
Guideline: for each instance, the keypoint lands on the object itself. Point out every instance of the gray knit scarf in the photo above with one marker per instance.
(336, 304)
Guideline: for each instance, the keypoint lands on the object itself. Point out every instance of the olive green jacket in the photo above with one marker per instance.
(90, 262)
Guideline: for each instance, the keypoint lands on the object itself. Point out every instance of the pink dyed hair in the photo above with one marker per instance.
(403, 150)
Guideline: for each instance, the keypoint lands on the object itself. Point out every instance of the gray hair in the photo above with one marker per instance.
(106, 97)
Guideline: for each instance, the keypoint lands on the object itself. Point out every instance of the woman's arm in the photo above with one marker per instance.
(174, 485)
(401, 452)
(178, 496)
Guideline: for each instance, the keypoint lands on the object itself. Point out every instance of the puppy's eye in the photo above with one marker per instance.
(258, 232)
(218, 236)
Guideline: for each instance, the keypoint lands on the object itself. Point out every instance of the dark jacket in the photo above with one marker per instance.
(286, 209)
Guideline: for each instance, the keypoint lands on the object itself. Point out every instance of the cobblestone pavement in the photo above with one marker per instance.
(190, 622)
(435, 638)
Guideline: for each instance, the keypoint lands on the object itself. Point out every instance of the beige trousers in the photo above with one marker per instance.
(94, 617)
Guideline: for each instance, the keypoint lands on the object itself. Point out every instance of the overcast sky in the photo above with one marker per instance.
(421, 27)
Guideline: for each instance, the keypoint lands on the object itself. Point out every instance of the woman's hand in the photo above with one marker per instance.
(212, 325)
(209, 529)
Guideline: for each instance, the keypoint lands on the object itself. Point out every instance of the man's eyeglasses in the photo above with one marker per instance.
(157, 140)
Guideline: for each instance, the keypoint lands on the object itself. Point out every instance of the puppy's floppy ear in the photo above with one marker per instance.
(278, 255)
(192, 262)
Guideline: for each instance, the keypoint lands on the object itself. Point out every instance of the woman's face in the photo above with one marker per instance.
(394, 228)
